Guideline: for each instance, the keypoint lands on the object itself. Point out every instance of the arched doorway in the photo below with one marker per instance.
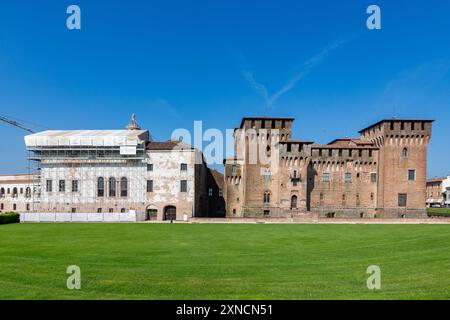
(294, 202)
(170, 213)
(151, 213)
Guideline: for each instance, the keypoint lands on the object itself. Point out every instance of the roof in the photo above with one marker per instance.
(265, 118)
(337, 146)
(18, 178)
(345, 142)
(218, 178)
(54, 138)
(395, 120)
(168, 145)
(432, 180)
(297, 141)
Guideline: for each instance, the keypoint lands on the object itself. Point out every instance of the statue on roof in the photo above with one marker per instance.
(133, 125)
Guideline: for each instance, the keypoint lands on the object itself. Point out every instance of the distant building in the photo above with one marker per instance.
(382, 173)
(19, 192)
(438, 192)
(120, 171)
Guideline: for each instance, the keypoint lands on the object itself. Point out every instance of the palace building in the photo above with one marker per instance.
(381, 173)
(119, 175)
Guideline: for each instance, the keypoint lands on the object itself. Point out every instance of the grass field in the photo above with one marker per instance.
(224, 261)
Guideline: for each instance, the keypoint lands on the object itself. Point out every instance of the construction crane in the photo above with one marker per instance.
(15, 123)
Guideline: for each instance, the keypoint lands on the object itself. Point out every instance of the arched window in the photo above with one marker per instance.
(266, 197)
(28, 192)
(100, 187)
(123, 187)
(405, 153)
(294, 202)
(112, 187)
(2, 192)
(14, 193)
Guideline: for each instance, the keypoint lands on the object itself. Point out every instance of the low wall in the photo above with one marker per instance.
(79, 217)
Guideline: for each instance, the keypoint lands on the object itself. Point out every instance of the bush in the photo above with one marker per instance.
(9, 217)
(438, 212)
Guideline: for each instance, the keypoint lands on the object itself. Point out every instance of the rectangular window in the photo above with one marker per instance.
(74, 210)
(183, 167)
(49, 185)
(74, 185)
(350, 153)
(402, 199)
(348, 177)
(150, 167)
(28, 207)
(183, 186)
(149, 185)
(411, 175)
(370, 153)
(62, 186)
(330, 152)
(320, 152)
(99, 210)
(111, 210)
(325, 177)
(210, 192)
(266, 212)
(340, 152)
(373, 177)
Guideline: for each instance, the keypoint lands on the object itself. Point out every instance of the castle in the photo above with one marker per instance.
(381, 174)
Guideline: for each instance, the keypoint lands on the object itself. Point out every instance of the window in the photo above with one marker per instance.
(220, 193)
(149, 185)
(402, 126)
(283, 124)
(423, 125)
(74, 185)
(266, 212)
(325, 177)
(234, 211)
(293, 202)
(150, 167)
(14, 193)
(405, 152)
(62, 185)
(74, 210)
(266, 197)
(413, 126)
(330, 152)
(294, 182)
(289, 147)
(122, 210)
(183, 167)
(402, 199)
(99, 210)
(183, 186)
(372, 196)
(411, 175)
(350, 153)
(100, 187)
(392, 126)
(124, 187)
(373, 177)
(14, 206)
(340, 152)
(321, 196)
(28, 192)
(252, 124)
(48, 185)
(2, 192)
(210, 192)
(28, 207)
(2, 206)
(359, 153)
(21, 190)
(233, 169)
(370, 153)
(348, 177)
(112, 187)
(110, 210)
(320, 152)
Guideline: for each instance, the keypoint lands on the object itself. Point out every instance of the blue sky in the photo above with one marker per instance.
(173, 62)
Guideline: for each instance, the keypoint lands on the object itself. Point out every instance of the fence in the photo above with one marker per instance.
(79, 217)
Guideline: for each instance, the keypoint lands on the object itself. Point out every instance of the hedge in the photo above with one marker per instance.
(438, 212)
(9, 217)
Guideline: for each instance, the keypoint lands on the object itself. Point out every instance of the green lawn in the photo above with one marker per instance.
(224, 261)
